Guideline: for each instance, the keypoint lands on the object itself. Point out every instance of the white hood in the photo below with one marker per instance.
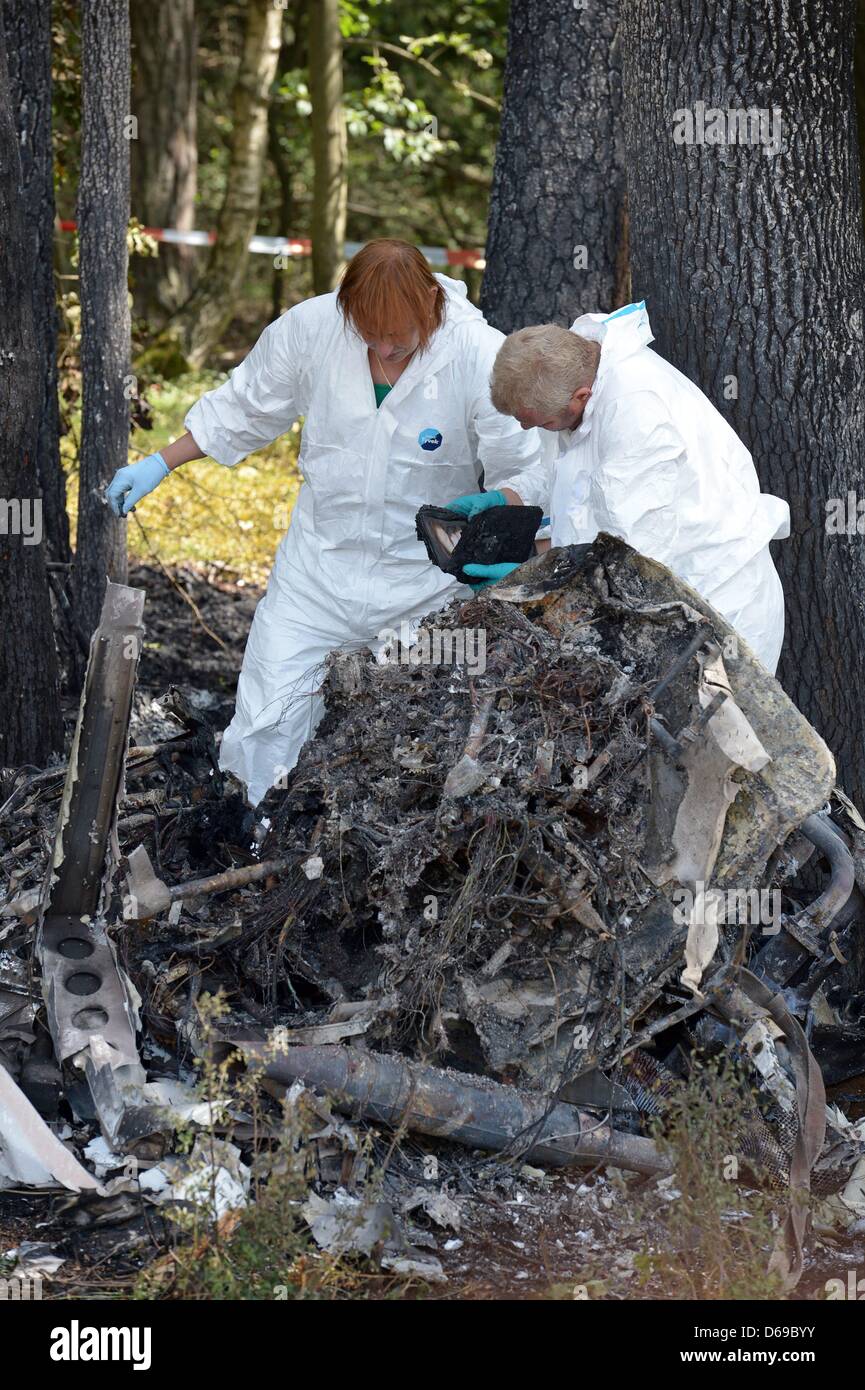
(620, 334)
(459, 307)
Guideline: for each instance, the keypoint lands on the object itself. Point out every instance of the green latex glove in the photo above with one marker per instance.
(474, 502)
(490, 574)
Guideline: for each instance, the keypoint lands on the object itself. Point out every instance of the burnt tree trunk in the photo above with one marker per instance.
(31, 727)
(751, 261)
(28, 37)
(103, 217)
(859, 78)
(164, 151)
(556, 245)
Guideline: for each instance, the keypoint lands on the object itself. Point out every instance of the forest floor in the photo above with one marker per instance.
(511, 1232)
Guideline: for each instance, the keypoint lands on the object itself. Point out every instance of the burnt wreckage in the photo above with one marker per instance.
(515, 882)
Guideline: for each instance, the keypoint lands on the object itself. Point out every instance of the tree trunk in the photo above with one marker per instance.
(28, 36)
(752, 265)
(164, 150)
(285, 218)
(556, 240)
(200, 322)
(31, 727)
(859, 77)
(290, 56)
(329, 145)
(103, 217)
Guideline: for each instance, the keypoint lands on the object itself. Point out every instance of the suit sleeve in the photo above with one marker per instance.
(258, 402)
(634, 487)
(511, 456)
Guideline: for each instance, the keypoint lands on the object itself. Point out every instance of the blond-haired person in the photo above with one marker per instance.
(644, 455)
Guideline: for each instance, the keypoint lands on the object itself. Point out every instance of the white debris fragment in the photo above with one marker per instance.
(666, 1188)
(184, 1106)
(438, 1206)
(212, 1177)
(424, 1266)
(34, 1257)
(102, 1157)
(348, 1224)
(537, 1174)
(30, 1153)
(153, 1180)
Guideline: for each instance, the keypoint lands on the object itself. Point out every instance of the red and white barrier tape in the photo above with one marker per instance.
(299, 246)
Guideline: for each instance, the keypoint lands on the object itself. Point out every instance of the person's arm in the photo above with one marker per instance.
(256, 405)
(471, 503)
(136, 480)
(183, 450)
(262, 397)
(634, 488)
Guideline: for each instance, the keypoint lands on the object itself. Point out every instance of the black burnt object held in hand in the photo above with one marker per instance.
(492, 537)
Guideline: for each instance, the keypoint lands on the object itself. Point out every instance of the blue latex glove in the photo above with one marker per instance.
(474, 502)
(490, 574)
(134, 481)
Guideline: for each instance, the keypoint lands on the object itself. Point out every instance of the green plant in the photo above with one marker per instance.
(262, 1250)
(719, 1227)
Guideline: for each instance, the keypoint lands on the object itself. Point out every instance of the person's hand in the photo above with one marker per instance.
(474, 502)
(134, 481)
(489, 574)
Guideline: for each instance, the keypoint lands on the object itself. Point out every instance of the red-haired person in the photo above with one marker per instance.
(391, 375)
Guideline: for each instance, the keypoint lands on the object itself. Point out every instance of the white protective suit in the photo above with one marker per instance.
(654, 462)
(351, 565)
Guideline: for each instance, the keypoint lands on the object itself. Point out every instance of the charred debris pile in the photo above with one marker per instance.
(538, 857)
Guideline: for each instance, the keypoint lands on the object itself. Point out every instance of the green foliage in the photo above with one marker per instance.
(263, 1250)
(720, 1229)
(255, 1252)
(424, 121)
(66, 100)
(138, 241)
(422, 95)
(706, 1232)
(163, 357)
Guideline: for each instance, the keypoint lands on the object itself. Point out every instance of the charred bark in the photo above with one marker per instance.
(750, 257)
(103, 217)
(28, 37)
(30, 724)
(859, 77)
(556, 244)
